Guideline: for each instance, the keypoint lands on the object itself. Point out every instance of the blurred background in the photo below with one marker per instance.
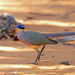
(52, 9)
(39, 6)
(45, 16)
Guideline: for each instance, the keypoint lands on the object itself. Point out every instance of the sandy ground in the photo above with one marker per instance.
(15, 56)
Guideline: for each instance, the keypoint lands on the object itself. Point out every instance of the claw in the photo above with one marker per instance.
(34, 63)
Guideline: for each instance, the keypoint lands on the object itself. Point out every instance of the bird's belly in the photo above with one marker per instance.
(27, 43)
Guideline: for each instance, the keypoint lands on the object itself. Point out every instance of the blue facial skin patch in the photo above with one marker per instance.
(21, 26)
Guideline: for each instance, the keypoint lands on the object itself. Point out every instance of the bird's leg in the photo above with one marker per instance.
(38, 51)
(38, 56)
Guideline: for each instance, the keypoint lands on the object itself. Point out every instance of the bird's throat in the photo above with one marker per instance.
(20, 30)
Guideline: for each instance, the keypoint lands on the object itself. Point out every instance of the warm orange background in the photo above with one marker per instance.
(49, 16)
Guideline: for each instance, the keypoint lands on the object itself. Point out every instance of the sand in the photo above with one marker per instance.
(15, 56)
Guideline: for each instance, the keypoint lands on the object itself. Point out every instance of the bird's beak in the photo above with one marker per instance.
(14, 26)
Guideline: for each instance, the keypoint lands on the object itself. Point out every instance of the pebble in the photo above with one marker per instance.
(65, 62)
(52, 56)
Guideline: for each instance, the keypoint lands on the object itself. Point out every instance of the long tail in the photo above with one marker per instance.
(49, 35)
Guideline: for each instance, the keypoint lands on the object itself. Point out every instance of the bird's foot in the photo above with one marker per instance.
(34, 63)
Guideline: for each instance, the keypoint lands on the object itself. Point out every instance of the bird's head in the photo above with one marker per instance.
(19, 26)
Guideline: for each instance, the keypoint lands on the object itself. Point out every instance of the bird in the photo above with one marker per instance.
(35, 39)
